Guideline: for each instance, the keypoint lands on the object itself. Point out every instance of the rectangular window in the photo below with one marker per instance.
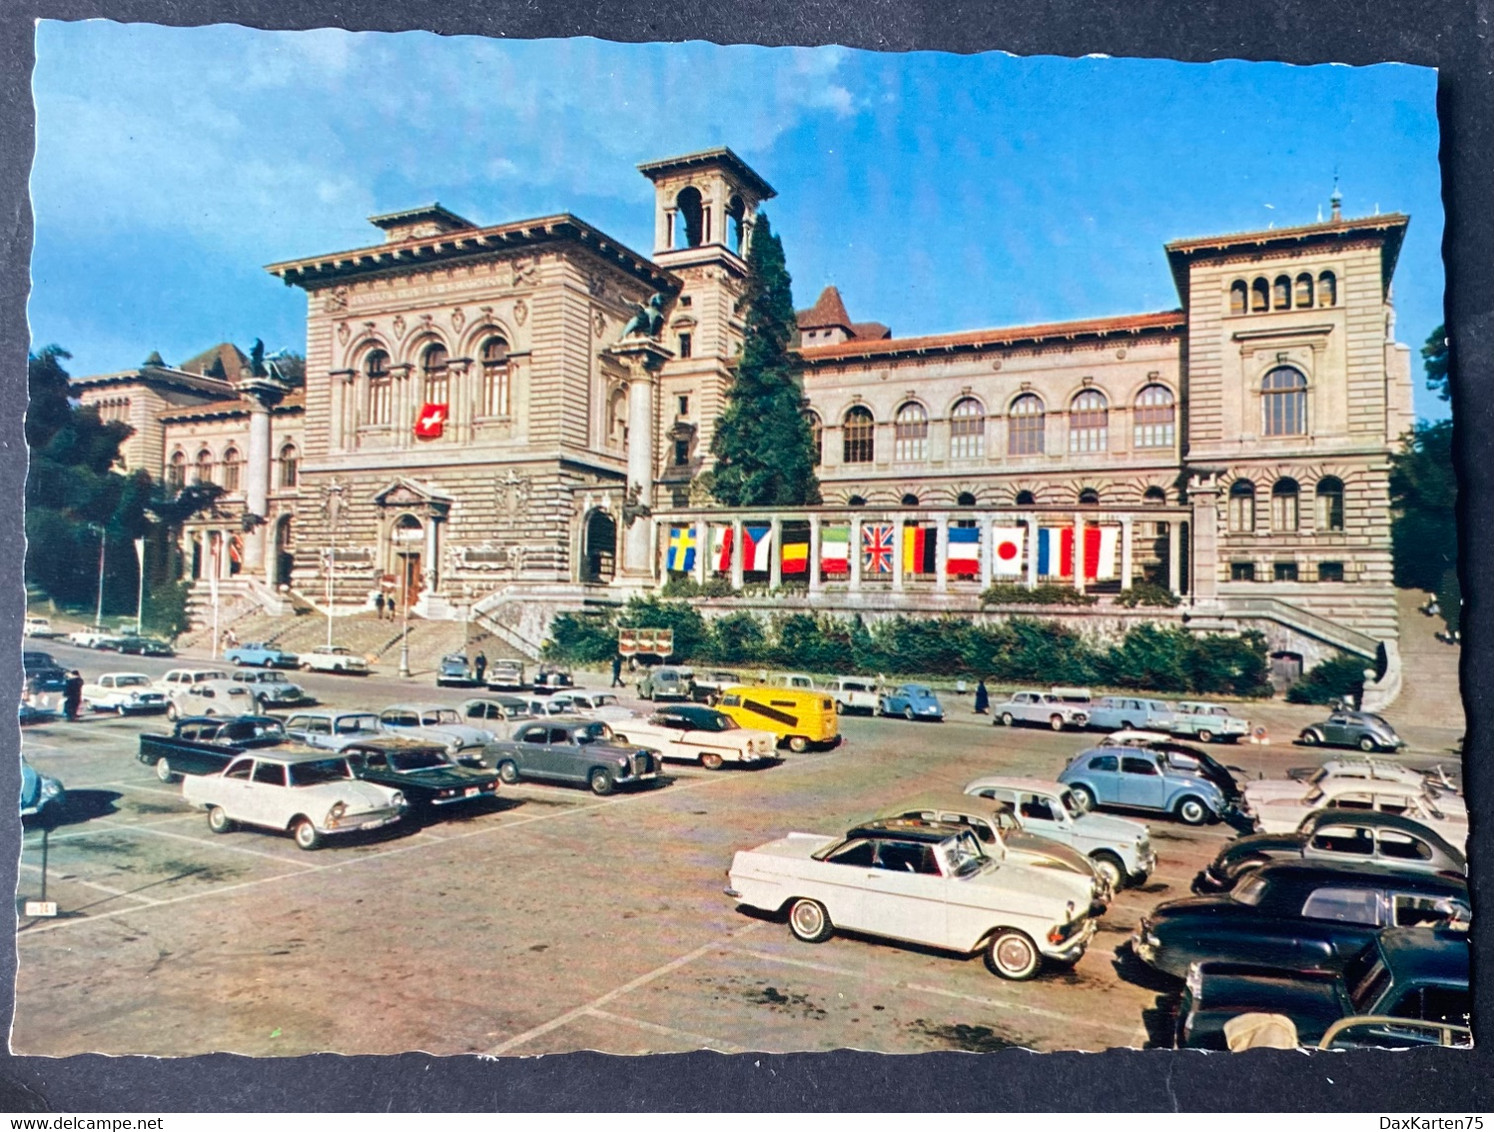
(685, 345)
(494, 394)
(684, 403)
(1242, 571)
(1330, 571)
(379, 398)
(1286, 571)
(681, 452)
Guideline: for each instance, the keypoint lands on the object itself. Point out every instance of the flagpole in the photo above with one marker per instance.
(140, 588)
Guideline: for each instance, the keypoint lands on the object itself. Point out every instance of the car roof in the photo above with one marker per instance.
(929, 832)
(1376, 818)
(418, 707)
(289, 756)
(394, 743)
(697, 711)
(942, 800)
(1439, 954)
(1010, 782)
(1360, 784)
(1327, 872)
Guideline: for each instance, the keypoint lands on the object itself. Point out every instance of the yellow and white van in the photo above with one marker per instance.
(800, 718)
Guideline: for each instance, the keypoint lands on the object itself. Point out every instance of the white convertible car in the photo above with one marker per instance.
(1446, 814)
(691, 733)
(921, 882)
(123, 692)
(310, 795)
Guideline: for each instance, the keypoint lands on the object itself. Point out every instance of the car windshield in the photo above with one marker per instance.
(351, 724)
(130, 681)
(1314, 796)
(443, 717)
(423, 759)
(962, 855)
(592, 733)
(1249, 891)
(254, 729)
(712, 721)
(322, 770)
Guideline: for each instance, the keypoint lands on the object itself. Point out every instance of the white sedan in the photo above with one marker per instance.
(208, 697)
(691, 733)
(1446, 814)
(591, 705)
(334, 658)
(123, 692)
(1375, 770)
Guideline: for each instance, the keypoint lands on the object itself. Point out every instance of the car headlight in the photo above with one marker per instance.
(51, 787)
(337, 810)
(398, 801)
(134, 696)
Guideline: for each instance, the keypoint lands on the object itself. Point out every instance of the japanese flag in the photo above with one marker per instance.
(1006, 550)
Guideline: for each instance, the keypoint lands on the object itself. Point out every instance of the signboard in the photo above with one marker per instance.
(645, 642)
(41, 908)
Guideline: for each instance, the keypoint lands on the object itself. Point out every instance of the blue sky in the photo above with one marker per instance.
(939, 192)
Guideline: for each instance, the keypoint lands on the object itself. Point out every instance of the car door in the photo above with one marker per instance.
(1103, 773)
(236, 788)
(529, 748)
(905, 893)
(566, 758)
(1336, 730)
(270, 796)
(1038, 811)
(1348, 917)
(1141, 783)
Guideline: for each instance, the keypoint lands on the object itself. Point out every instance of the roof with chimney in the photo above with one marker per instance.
(829, 313)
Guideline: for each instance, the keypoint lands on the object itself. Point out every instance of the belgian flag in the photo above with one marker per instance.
(919, 548)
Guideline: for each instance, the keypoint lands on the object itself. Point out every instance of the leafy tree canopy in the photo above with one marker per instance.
(1434, 359)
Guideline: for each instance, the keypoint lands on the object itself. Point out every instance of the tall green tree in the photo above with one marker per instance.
(763, 446)
(1434, 359)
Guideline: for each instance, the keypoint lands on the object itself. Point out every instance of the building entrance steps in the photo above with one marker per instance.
(1429, 689)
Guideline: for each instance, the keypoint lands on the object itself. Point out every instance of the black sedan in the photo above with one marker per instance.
(421, 771)
(1295, 914)
(581, 751)
(1343, 836)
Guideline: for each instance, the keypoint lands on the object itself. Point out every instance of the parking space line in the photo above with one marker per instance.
(699, 1040)
(93, 884)
(217, 845)
(617, 992)
(177, 794)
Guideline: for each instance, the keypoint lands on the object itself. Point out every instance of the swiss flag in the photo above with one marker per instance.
(431, 422)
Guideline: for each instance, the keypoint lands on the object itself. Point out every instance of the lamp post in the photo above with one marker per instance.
(333, 508)
(98, 615)
(140, 588)
(404, 601)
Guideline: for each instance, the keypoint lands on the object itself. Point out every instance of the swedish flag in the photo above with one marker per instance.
(681, 549)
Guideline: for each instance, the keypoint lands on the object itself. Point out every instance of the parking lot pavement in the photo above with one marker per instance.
(548, 920)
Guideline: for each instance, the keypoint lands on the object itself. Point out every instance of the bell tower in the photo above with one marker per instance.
(705, 206)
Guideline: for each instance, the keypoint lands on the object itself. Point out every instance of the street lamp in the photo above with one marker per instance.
(98, 616)
(404, 601)
(333, 508)
(140, 588)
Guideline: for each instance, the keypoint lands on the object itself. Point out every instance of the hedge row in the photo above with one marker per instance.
(1019, 650)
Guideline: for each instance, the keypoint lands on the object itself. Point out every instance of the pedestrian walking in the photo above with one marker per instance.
(982, 698)
(481, 664)
(379, 604)
(72, 695)
(617, 667)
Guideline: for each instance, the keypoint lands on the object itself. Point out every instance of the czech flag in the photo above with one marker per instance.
(721, 549)
(681, 557)
(964, 551)
(757, 548)
(919, 545)
(431, 421)
(796, 553)
(835, 550)
(1006, 550)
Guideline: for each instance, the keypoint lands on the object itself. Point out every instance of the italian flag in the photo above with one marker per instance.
(835, 550)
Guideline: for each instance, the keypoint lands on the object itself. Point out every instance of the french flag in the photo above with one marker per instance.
(964, 550)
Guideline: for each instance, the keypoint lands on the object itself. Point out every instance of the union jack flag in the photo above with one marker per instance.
(876, 548)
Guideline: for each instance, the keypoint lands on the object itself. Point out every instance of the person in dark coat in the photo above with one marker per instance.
(617, 667)
(982, 699)
(72, 695)
(481, 664)
(379, 604)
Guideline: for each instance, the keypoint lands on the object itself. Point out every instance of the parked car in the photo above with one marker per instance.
(439, 724)
(666, 682)
(180, 677)
(855, 694)
(1444, 814)
(801, 680)
(800, 719)
(1207, 722)
(498, 714)
(581, 751)
(420, 771)
(259, 655)
(591, 705)
(912, 701)
(456, 671)
(332, 730)
(698, 734)
(270, 688)
(1177, 756)
(311, 796)
(709, 685)
(1299, 914)
(95, 638)
(44, 676)
(1330, 836)
(1143, 780)
(39, 628)
(1041, 708)
(208, 697)
(505, 674)
(1001, 836)
(41, 794)
(207, 744)
(1362, 729)
(127, 693)
(552, 679)
(1368, 772)
(334, 658)
(132, 645)
(1367, 766)
(1404, 973)
(1111, 713)
(919, 882)
(1119, 848)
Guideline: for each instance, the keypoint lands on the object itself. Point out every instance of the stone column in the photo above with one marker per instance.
(459, 393)
(1126, 563)
(775, 554)
(1203, 555)
(1032, 552)
(1079, 552)
(1174, 555)
(855, 559)
(431, 548)
(338, 416)
(401, 405)
(814, 554)
(897, 552)
(261, 395)
(702, 549)
(941, 553)
(987, 551)
(736, 553)
(643, 357)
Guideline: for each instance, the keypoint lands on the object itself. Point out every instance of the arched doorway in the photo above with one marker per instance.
(599, 548)
(406, 542)
(284, 561)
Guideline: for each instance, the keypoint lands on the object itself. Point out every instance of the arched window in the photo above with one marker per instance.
(231, 464)
(966, 499)
(436, 375)
(856, 501)
(1089, 496)
(1154, 418)
(858, 436)
(1242, 507)
(1239, 297)
(1284, 496)
(1025, 426)
(1327, 289)
(289, 466)
(1284, 402)
(911, 433)
(204, 470)
(1304, 289)
(1260, 295)
(617, 418)
(176, 471)
(909, 500)
(380, 395)
(736, 213)
(816, 436)
(1089, 422)
(1281, 293)
(1330, 494)
(494, 395)
(967, 430)
(1026, 499)
(692, 218)
(1154, 497)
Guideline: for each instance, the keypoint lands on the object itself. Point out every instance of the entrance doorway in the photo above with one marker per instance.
(407, 540)
(599, 552)
(285, 559)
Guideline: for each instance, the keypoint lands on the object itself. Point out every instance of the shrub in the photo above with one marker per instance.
(1150, 656)
(1009, 593)
(1338, 678)
(680, 585)
(738, 638)
(165, 610)
(1232, 664)
(1148, 593)
(581, 638)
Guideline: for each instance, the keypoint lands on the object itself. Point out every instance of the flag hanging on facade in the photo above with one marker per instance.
(1055, 552)
(1099, 566)
(876, 548)
(681, 558)
(721, 549)
(796, 553)
(757, 548)
(835, 550)
(431, 421)
(964, 550)
(919, 546)
(1007, 551)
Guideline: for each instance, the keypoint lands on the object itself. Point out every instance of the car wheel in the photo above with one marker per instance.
(307, 835)
(600, 782)
(1367, 744)
(1127, 725)
(908, 713)
(1109, 866)
(710, 760)
(219, 821)
(337, 668)
(1310, 738)
(1055, 722)
(798, 744)
(508, 772)
(171, 712)
(809, 921)
(1007, 719)
(164, 771)
(1012, 955)
(1206, 736)
(1191, 811)
(1085, 797)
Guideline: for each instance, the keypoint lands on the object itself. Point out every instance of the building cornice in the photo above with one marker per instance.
(157, 375)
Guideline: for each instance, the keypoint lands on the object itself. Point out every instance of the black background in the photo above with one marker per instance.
(1451, 36)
